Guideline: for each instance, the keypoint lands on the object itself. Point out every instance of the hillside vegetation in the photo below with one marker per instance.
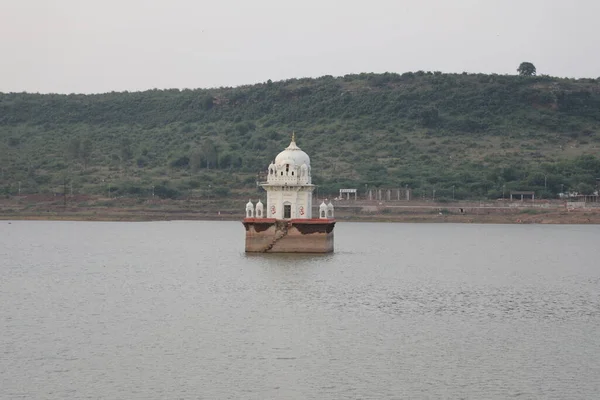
(473, 135)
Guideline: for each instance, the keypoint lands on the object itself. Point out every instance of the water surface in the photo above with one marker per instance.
(177, 310)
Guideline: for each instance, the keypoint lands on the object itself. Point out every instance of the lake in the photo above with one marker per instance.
(177, 310)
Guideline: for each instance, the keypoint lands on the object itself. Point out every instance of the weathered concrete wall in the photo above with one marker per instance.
(293, 236)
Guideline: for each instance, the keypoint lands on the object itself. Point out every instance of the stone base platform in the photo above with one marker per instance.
(268, 235)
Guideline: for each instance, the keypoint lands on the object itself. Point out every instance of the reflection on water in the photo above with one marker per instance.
(178, 310)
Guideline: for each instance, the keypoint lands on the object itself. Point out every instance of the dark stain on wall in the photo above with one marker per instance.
(307, 229)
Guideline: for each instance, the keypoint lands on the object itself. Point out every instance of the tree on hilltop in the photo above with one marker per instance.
(526, 69)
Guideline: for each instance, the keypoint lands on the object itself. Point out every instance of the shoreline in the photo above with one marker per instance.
(80, 208)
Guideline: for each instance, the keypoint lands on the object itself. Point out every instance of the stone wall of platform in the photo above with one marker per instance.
(289, 236)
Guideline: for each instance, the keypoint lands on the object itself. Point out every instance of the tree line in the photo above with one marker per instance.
(475, 134)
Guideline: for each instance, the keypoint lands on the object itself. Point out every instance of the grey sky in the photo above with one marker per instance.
(89, 46)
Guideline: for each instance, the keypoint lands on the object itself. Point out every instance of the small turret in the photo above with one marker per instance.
(259, 210)
(249, 209)
(330, 210)
(323, 210)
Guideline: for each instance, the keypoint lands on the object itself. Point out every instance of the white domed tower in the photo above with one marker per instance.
(289, 188)
(287, 226)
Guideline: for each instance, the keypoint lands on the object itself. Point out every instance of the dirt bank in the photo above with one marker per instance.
(125, 209)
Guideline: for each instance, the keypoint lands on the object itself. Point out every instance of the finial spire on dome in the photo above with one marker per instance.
(293, 136)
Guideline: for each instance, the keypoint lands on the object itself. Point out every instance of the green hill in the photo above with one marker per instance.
(477, 134)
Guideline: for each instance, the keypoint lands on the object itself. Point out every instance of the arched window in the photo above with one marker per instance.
(329, 213)
(322, 213)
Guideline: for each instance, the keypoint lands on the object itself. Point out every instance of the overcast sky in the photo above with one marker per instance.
(91, 46)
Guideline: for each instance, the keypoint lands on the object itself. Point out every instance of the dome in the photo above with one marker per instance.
(292, 155)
